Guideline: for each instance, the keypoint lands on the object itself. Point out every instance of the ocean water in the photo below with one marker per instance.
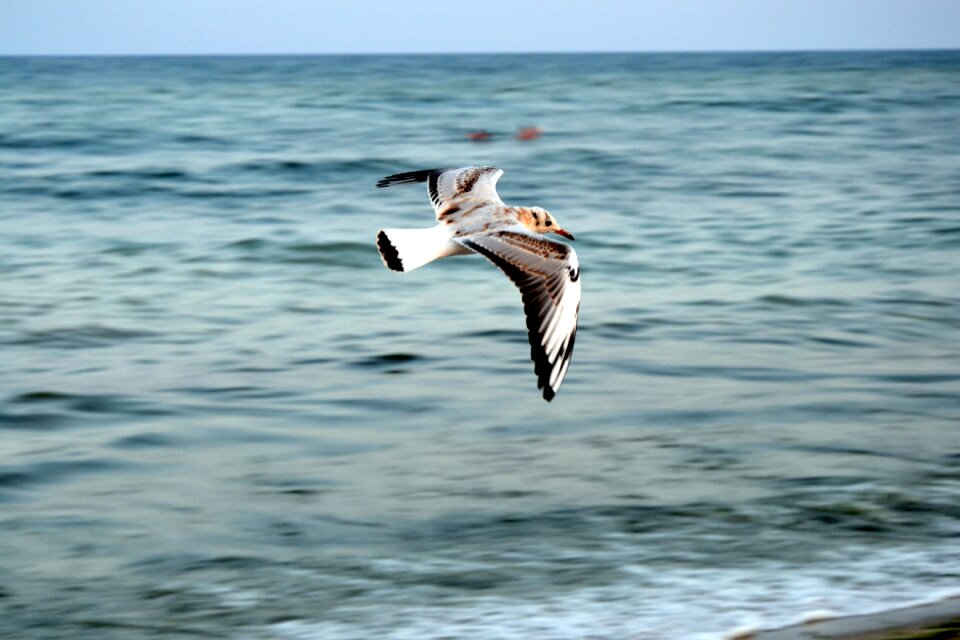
(221, 416)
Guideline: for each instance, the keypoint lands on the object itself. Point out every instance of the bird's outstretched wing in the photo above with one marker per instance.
(548, 276)
(448, 185)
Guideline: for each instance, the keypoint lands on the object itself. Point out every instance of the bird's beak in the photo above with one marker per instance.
(564, 233)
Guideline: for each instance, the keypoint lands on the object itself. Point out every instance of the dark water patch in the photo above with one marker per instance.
(658, 369)
(144, 441)
(235, 193)
(497, 335)
(305, 309)
(32, 421)
(228, 563)
(916, 299)
(803, 132)
(133, 249)
(813, 483)
(221, 274)
(303, 362)
(716, 528)
(470, 581)
(590, 157)
(262, 393)
(498, 495)
(15, 479)
(814, 104)
(140, 174)
(835, 341)
(858, 506)
(839, 451)
(82, 337)
(916, 221)
(303, 169)
(388, 360)
(692, 418)
(712, 460)
(385, 405)
(751, 193)
(345, 254)
(946, 230)
(917, 378)
(560, 531)
(370, 166)
(87, 193)
(44, 142)
(850, 516)
(780, 300)
(239, 391)
(835, 410)
(446, 579)
(251, 244)
(257, 370)
(704, 103)
(298, 487)
(92, 403)
(113, 404)
(606, 329)
(32, 397)
(847, 451)
(194, 140)
(55, 471)
(819, 105)
(749, 374)
(102, 628)
(287, 167)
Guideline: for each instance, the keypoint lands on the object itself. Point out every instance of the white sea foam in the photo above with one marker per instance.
(695, 604)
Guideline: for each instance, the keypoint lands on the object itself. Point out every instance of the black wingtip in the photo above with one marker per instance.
(541, 365)
(389, 253)
(408, 177)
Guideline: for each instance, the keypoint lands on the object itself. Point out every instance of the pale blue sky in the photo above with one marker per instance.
(415, 26)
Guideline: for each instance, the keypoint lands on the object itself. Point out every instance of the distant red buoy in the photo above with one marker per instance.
(528, 133)
(479, 136)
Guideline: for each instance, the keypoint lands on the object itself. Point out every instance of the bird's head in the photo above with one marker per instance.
(542, 221)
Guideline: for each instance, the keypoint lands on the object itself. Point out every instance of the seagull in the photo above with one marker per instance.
(472, 219)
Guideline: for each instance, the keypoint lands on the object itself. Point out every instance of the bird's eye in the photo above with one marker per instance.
(549, 223)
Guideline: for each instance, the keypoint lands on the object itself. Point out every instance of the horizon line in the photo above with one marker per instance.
(480, 53)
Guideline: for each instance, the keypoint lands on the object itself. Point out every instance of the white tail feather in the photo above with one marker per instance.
(407, 249)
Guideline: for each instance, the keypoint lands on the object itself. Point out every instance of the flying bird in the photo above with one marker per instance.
(472, 219)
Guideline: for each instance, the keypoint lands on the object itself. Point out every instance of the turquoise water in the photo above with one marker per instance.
(221, 416)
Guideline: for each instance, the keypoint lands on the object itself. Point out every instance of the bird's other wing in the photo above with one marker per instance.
(548, 276)
(447, 185)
